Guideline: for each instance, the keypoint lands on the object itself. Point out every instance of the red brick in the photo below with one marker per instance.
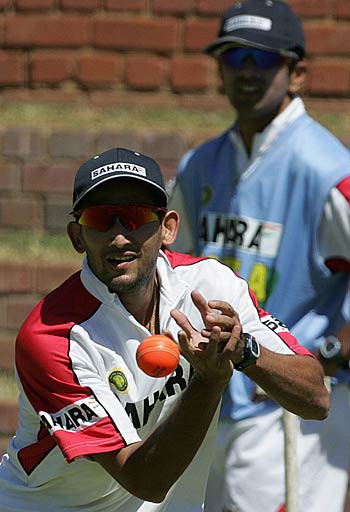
(10, 177)
(21, 142)
(5, 3)
(211, 7)
(137, 33)
(125, 139)
(126, 5)
(328, 77)
(171, 7)
(328, 39)
(21, 213)
(57, 213)
(18, 308)
(315, 8)
(48, 30)
(71, 144)
(31, 5)
(199, 33)
(65, 95)
(15, 278)
(343, 8)
(8, 417)
(2, 31)
(55, 178)
(51, 276)
(189, 73)
(98, 69)
(81, 5)
(164, 146)
(145, 72)
(12, 67)
(50, 67)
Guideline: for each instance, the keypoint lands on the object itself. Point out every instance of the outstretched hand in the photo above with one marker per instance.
(214, 350)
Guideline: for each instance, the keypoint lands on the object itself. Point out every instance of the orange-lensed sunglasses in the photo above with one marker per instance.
(131, 216)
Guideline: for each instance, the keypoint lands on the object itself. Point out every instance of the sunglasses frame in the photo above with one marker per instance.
(240, 53)
(155, 209)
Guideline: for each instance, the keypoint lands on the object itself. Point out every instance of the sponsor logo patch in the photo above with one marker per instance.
(118, 166)
(118, 381)
(75, 417)
(226, 231)
(274, 324)
(247, 21)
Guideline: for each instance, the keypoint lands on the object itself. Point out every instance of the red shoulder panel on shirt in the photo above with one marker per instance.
(344, 187)
(42, 345)
(178, 259)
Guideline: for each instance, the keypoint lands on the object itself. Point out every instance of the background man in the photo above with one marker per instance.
(270, 197)
(95, 432)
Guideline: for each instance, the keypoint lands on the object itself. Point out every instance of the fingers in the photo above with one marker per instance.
(182, 321)
(215, 312)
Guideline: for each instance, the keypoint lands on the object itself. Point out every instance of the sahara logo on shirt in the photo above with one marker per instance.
(227, 231)
(140, 412)
(274, 324)
(75, 417)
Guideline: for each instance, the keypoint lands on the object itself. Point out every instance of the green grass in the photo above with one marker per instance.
(8, 386)
(31, 246)
(48, 116)
(51, 116)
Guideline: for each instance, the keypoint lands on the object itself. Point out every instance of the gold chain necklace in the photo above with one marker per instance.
(152, 325)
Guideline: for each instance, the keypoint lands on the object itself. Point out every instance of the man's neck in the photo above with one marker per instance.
(249, 126)
(143, 305)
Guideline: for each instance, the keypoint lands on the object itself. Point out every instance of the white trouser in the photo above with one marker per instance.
(247, 474)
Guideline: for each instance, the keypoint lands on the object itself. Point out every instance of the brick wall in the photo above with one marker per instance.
(113, 52)
(110, 51)
(37, 169)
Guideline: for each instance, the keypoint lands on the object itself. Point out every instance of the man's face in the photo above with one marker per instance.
(255, 92)
(123, 260)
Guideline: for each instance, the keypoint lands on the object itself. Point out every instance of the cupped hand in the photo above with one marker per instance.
(219, 344)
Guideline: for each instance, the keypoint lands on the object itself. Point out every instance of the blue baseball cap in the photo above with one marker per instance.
(118, 163)
(265, 24)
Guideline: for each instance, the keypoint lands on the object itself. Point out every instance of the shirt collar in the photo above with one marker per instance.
(263, 140)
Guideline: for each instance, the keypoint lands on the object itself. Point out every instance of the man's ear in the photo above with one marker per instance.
(297, 77)
(170, 227)
(74, 233)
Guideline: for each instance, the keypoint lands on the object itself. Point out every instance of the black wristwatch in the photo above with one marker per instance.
(251, 352)
(331, 349)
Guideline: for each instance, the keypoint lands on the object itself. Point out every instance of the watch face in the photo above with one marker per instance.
(251, 352)
(255, 347)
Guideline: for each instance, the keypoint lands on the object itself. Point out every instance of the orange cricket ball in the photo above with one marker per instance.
(158, 355)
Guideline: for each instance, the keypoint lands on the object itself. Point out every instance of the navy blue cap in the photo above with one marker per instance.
(265, 24)
(118, 163)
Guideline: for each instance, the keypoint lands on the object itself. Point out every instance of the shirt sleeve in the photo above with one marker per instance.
(74, 404)
(334, 233)
(270, 331)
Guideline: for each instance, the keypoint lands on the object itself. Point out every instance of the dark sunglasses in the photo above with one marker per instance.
(131, 216)
(263, 59)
